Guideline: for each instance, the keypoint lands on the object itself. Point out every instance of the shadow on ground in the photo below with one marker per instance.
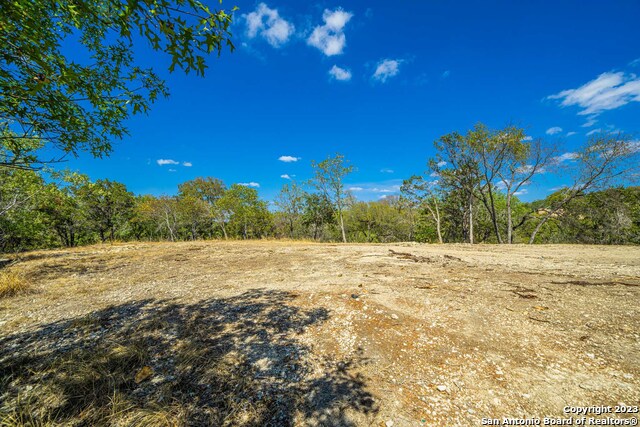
(229, 361)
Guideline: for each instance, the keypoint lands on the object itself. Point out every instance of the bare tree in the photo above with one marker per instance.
(519, 166)
(291, 201)
(604, 160)
(328, 179)
(420, 193)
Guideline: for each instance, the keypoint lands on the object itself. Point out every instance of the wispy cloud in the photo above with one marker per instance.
(341, 74)
(267, 23)
(527, 138)
(386, 69)
(594, 131)
(330, 38)
(571, 133)
(565, 157)
(289, 159)
(187, 164)
(442, 164)
(250, 184)
(285, 176)
(446, 74)
(172, 170)
(355, 188)
(554, 130)
(608, 91)
(386, 170)
(521, 192)
(163, 162)
(590, 122)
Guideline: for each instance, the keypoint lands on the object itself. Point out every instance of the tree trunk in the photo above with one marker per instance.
(438, 229)
(509, 221)
(471, 220)
(538, 227)
(344, 235)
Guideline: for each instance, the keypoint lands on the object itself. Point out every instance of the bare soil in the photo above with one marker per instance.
(291, 333)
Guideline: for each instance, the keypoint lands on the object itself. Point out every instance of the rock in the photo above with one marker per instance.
(394, 316)
(442, 388)
(389, 423)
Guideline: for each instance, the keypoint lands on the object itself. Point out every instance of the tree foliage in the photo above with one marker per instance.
(68, 77)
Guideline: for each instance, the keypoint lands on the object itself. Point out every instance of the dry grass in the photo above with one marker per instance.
(13, 283)
(298, 334)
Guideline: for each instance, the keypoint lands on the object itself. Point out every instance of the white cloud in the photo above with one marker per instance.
(289, 159)
(527, 138)
(446, 74)
(172, 170)
(187, 164)
(250, 184)
(442, 164)
(434, 174)
(565, 157)
(607, 92)
(571, 133)
(341, 74)
(590, 122)
(330, 38)
(554, 130)
(386, 170)
(594, 131)
(285, 176)
(355, 189)
(386, 69)
(163, 162)
(267, 23)
(521, 192)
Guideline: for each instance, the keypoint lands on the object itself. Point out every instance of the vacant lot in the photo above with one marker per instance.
(281, 333)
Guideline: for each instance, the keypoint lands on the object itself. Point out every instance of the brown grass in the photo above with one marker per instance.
(13, 283)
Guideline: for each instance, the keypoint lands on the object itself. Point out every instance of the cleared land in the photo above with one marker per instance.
(289, 333)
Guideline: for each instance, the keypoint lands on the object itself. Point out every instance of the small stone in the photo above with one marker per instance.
(394, 316)
(442, 388)
(389, 423)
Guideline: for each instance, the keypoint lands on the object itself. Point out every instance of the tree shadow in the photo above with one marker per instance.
(227, 361)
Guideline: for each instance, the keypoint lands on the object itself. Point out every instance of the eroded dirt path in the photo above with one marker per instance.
(344, 334)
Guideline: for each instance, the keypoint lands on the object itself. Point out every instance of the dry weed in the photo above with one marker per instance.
(12, 283)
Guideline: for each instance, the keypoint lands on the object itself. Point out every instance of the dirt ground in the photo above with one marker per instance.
(291, 333)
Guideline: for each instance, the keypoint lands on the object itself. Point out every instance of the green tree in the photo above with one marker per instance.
(290, 200)
(209, 190)
(316, 212)
(605, 159)
(67, 72)
(329, 180)
(423, 195)
(109, 206)
(248, 215)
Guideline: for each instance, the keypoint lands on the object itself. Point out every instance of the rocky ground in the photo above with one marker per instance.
(290, 333)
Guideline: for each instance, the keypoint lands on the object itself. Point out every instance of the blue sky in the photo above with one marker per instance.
(379, 82)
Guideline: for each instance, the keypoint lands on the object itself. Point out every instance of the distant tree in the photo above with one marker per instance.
(108, 204)
(67, 71)
(328, 179)
(208, 191)
(248, 215)
(63, 210)
(290, 201)
(606, 159)
(457, 166)
(317, 211)
(422, 194)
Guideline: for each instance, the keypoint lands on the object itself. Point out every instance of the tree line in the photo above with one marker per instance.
(469, 193)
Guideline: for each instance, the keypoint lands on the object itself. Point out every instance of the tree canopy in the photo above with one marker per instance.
(68, 76)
